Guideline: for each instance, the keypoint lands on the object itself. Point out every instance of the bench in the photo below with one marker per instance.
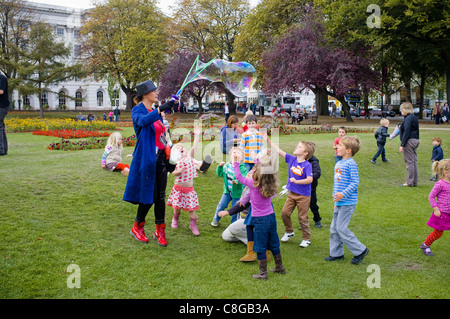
(313, 118)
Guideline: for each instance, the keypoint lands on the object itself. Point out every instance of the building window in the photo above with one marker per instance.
(116, 98)
(99, 98)
(62, 100)
(78, 99)
(44, 99)
(26, 100)
(77, 50)
(76, 33)
(59, 31)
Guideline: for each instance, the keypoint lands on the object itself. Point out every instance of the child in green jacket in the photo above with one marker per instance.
(232, 189)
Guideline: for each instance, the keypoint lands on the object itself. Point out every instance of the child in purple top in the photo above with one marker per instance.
(299, 186)
(263, 187)
(440, 218)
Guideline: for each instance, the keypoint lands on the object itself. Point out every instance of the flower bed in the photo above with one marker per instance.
(16, 125)
(89, 144)
(70, 133)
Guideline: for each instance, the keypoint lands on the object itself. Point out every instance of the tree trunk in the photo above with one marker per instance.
(129, 94)
(346, 109)
(446, 58)
(230, 100)
(322, 102)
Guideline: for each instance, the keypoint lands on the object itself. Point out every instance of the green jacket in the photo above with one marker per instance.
(236, 189)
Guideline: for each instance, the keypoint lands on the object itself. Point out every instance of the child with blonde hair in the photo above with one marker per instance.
(263, 187)
(299, 181)
(232, 189)
(112, 157)
(436, 156)
(183, 195)
(345, 197)
(381, 134)
(440, 202)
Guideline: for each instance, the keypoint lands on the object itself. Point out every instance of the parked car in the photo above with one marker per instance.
(194, 108)
(381, 113)
(426, 112)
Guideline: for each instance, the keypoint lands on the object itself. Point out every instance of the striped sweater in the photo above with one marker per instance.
(251, 141)
(346, 181)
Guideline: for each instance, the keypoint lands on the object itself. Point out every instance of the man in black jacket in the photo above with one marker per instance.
(4, 108)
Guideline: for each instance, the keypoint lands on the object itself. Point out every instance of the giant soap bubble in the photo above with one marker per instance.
(238, 77)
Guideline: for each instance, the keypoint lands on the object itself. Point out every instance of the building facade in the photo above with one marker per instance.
(77, 94)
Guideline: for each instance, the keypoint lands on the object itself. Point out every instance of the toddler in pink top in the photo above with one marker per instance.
(440, 218)
(183, 195)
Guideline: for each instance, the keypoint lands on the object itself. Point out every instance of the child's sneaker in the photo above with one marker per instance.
(287, 236)
(373, 162)
(214, 223)
(305, 243)
(426, 249)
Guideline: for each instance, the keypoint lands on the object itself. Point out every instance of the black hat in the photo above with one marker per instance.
(145, 87)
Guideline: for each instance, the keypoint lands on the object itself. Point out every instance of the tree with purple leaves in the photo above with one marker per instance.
(303, 58)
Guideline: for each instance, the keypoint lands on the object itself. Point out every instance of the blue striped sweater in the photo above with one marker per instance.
(346, 181)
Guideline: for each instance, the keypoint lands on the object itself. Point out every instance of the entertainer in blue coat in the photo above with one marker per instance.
(147, 179)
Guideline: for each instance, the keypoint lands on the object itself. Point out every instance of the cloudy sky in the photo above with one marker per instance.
(84, 4)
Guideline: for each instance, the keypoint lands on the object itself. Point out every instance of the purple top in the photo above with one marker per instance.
(441, 192)
(298, 170)
(261, 206)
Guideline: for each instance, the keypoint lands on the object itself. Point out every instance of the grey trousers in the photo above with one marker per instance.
(410, 156)
(340, 234)
(3, 140)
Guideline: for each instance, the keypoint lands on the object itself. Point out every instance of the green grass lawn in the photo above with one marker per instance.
(60, 208)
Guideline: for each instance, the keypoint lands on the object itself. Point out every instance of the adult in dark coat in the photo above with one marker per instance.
(409, 137)
(147, 179)
(4, 107)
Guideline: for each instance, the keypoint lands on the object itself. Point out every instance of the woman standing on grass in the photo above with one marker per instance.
(409, 137)
(147, 179)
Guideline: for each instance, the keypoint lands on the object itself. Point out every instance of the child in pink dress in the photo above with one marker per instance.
(183, 195)
(440, 218)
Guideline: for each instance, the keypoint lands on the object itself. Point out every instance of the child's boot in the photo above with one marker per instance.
(175, 219)
(251, 255)
(193, 226)
(138, 232)
(262, 270)
(278, 265)
(160, 234)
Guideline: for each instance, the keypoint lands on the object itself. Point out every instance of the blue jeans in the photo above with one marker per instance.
(266, 237)
(340, 234)
(380, 151)
(249, 166)
(223, 204)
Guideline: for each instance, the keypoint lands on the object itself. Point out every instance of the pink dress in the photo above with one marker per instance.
(441, 192)
(184, 197)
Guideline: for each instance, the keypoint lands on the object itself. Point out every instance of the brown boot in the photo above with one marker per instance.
(251, 255)
(278, 265)
(262, 270)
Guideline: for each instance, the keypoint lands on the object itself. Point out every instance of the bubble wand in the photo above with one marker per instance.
(186, 81)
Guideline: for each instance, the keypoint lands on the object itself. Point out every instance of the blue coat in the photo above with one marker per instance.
(141, 179)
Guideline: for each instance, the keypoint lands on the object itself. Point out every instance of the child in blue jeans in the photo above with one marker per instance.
(232, 189)
(263, 186)
(345, 196)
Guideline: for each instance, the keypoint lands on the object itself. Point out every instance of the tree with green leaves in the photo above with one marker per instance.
(14, 24)
(128, 40)
(402, 27)
(45, 63)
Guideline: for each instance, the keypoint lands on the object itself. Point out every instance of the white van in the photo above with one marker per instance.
(286, 103)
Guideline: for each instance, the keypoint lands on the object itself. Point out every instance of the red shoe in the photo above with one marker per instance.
(138, 232)
(160, 234)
